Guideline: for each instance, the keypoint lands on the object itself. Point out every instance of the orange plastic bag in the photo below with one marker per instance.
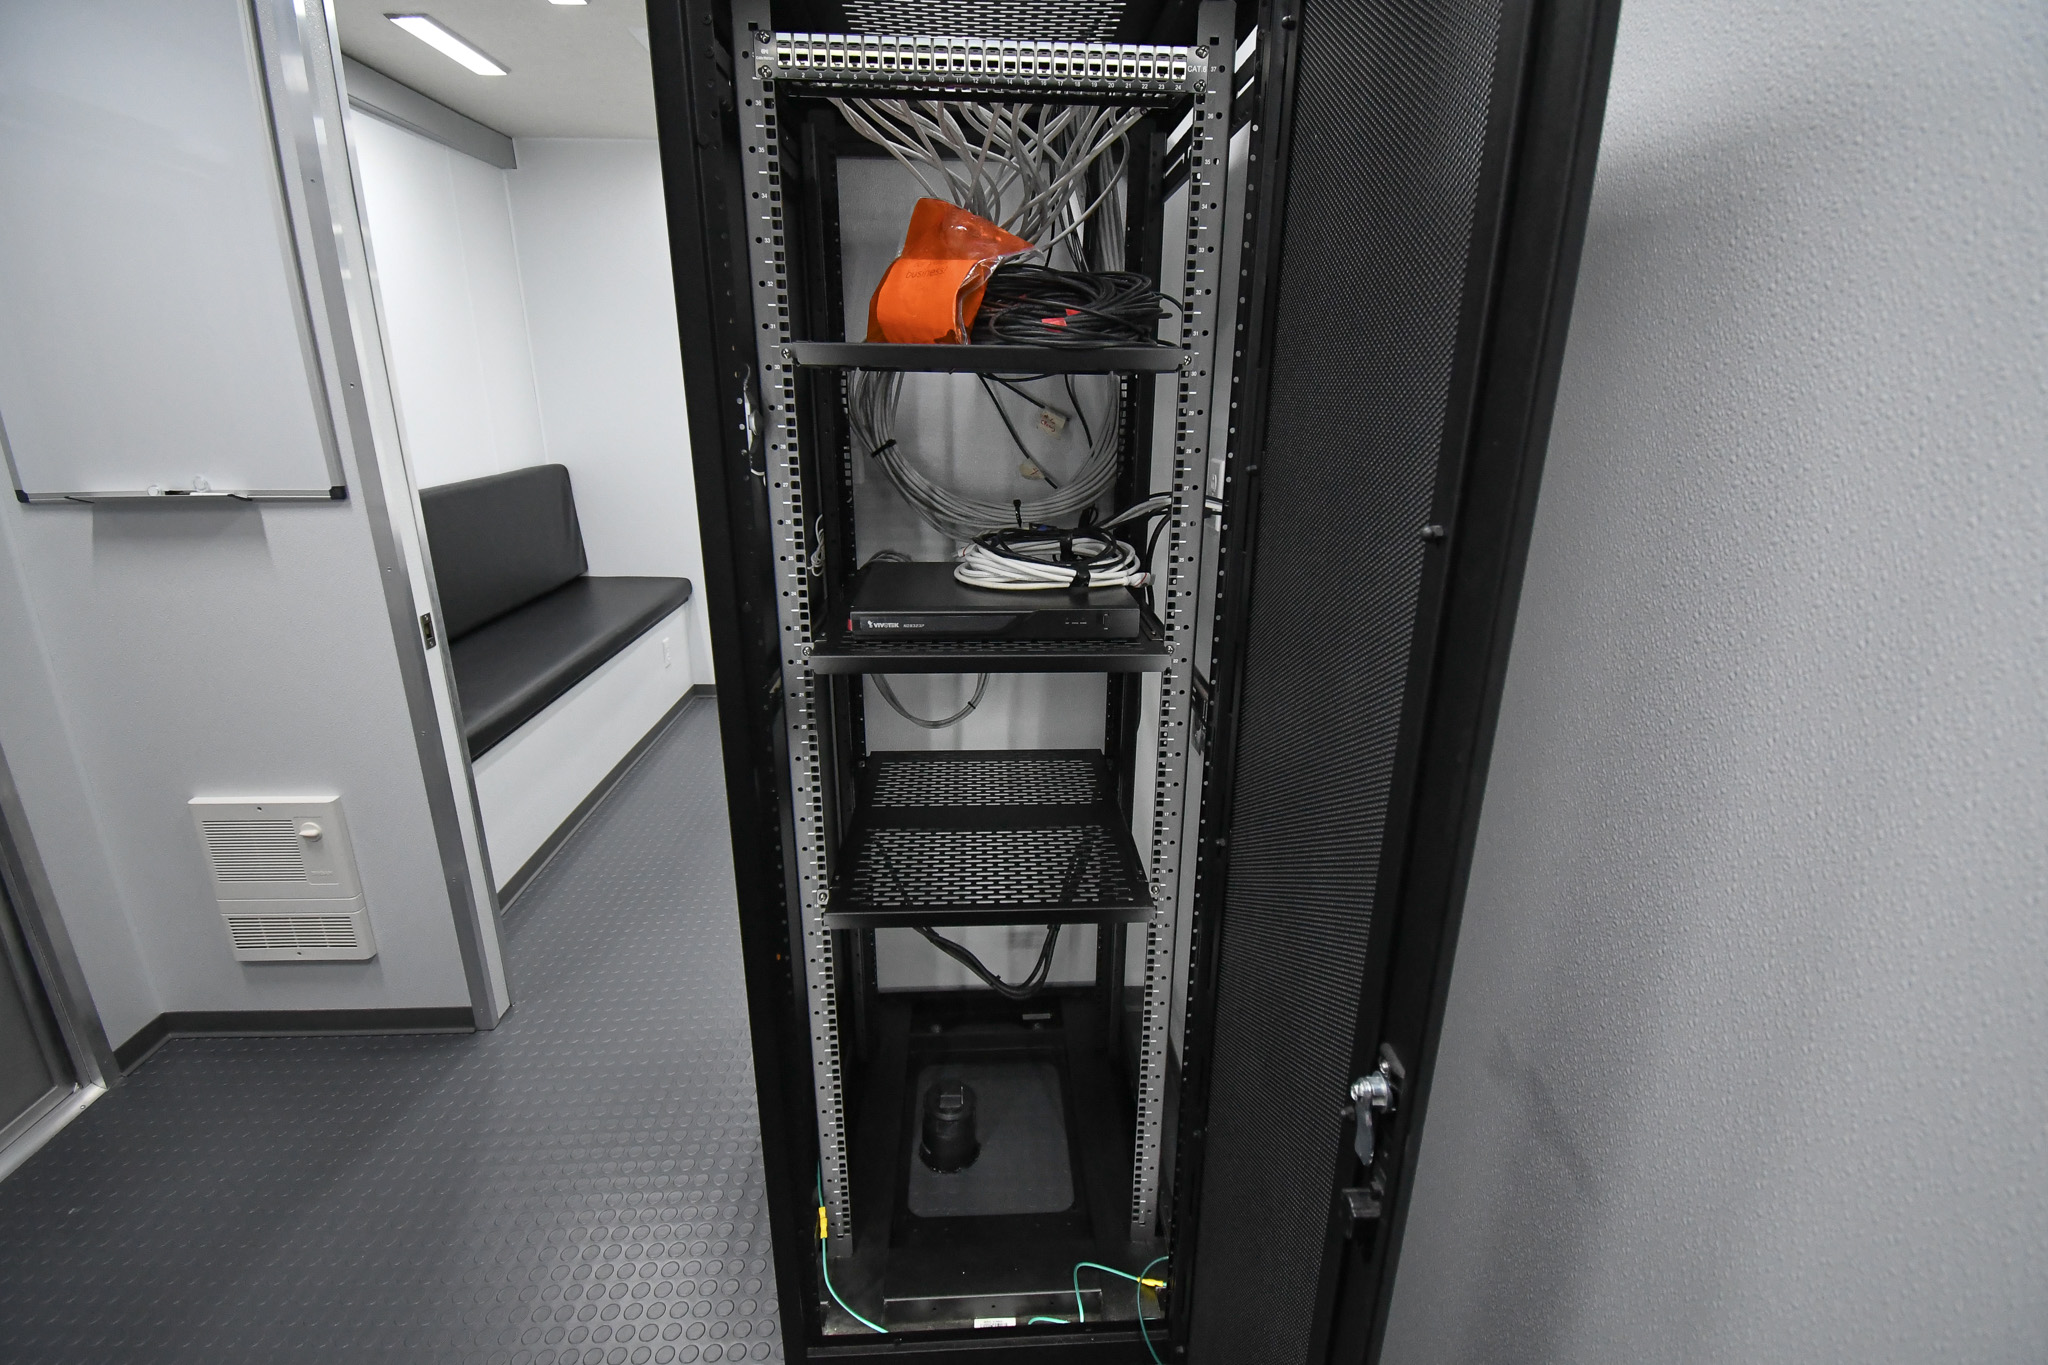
(932, 291)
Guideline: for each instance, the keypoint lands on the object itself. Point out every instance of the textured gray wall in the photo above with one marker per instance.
(1744, 1052)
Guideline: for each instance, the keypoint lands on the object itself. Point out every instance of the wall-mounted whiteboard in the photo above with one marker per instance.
(153, 324)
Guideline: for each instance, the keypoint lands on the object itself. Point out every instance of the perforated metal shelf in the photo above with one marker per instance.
(986, 358)
(988, 837)
(844, 653)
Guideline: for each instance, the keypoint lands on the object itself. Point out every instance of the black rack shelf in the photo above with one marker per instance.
(991, 836)
(844, 653)
(986, 359)
(940, 605)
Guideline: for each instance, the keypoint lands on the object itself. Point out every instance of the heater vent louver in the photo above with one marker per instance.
(297, 934)
(284, 873)
(262, 850)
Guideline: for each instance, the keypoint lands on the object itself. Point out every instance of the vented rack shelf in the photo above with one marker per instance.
(845, 653)
(986, 358)
(1002, 836)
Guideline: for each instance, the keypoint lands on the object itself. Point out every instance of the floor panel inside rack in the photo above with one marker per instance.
(997, 1243)
(1021, 1127)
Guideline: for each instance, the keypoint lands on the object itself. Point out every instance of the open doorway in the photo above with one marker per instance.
(511, 187)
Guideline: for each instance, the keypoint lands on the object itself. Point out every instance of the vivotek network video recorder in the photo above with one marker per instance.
(905, 600)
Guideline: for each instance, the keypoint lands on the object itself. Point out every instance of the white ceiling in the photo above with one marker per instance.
(574, 70)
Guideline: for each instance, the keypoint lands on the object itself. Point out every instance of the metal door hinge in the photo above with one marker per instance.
(1202, 706)
(1362, 1205)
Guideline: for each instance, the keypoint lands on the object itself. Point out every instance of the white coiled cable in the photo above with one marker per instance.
(1030, 566)
(1010, 562)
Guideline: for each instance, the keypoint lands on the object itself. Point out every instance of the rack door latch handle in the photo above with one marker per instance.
(1373, 1093)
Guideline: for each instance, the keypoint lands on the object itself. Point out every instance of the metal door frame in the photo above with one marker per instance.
(88, 1059)
(40, 1014)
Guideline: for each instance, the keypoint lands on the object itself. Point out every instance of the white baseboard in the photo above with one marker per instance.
(536, 777)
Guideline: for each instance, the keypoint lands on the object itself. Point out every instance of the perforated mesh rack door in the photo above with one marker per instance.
(1392, 115)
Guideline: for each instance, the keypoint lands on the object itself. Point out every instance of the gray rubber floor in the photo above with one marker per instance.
(582, 1185)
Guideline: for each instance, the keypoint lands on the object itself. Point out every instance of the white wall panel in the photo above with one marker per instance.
(66, 830)
(1742, 1052)
(592, 231)
(454, 312)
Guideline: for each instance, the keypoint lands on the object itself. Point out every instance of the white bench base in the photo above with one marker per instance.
(533, 780)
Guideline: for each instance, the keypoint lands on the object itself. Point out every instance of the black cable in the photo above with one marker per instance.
(1075, 399)
(1032, 983)
(1036, 305)
(896, 705)
(1152, 541)
(1011, 385)
(1041, 404)
(1022, 449)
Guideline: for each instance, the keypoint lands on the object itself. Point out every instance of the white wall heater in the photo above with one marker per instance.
(284, 873)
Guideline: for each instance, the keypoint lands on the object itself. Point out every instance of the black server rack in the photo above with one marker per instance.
(1365, 221)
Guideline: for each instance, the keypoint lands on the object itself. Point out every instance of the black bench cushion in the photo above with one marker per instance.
(508, 671)
(499, 542)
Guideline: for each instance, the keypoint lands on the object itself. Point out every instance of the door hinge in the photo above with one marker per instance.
(1202, 699)
(1362, 1205)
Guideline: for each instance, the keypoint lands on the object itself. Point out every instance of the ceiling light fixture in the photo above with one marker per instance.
(436, 36)
(568, 2)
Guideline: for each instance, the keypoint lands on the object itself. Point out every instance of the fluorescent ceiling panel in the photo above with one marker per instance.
(447, 43)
